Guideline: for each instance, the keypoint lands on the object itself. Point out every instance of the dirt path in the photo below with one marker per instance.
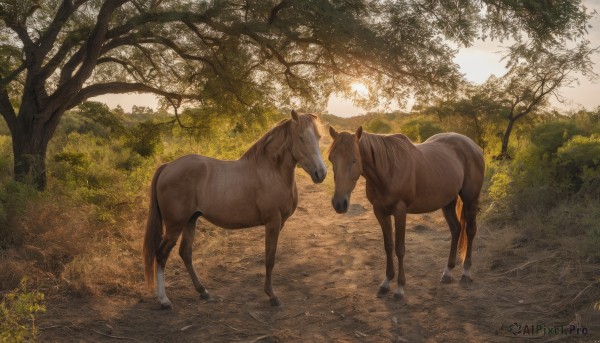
(327, 272)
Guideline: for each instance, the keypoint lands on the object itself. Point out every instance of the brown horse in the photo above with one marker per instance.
(257, 189)
(446, 172)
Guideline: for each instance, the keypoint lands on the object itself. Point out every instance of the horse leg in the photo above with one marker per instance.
(470, 217)
(185, 251)
(168, 242)
(388, 242)
(454, 225)
(272, 230)
(400, 223)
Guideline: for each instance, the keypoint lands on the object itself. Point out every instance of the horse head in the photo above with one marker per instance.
(344, 154)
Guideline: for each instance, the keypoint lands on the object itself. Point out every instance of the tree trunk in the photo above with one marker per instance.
(30, 138)
(29, 154)
(504, 150)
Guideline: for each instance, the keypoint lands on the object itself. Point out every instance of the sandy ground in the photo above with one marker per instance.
(327, 273)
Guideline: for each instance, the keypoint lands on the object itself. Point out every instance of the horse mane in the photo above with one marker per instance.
(384, 152)
(280, 135)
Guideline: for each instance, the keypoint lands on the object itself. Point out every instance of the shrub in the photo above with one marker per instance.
(5, 155)
(145, 139)
(550, 136)
(578, 163)
(17, 314)
(418, 130)
(378, 126)
(14, 196)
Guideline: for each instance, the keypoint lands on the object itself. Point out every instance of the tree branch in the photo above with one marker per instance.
(64, 11)
(124, 87)
(7, 111)
(71, 41)
(91, 52)
(154, 17)
(10, 77)
(130, 68)
(275, 10)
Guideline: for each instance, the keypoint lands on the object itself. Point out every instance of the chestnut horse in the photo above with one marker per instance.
(257, 189)
(446, 171)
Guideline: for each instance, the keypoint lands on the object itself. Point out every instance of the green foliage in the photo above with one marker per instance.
(18, 310)
(578, 163)
(552, 186)
(5, 155)
(378, 126)
(14, 196)
(145, 139)
(500, 189)
(549, 136)
(419, 129)
(93, 117)
(95, 170)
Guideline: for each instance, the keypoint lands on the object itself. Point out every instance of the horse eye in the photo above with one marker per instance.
(301, 139)
(354, 160)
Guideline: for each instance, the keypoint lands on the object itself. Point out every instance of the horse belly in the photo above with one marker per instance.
(229, 208)
(232, 222)
(433, 198)
(429, 205)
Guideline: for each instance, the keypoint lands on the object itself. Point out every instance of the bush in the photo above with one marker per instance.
(14, 196)
(378, 126)
(17, 314)
(145, 139)
(418, 130)
(550, 136)
(578, 163)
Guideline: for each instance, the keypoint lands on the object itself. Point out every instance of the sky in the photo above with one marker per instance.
(477, 62)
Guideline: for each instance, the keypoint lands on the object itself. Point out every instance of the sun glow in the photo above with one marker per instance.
(360, 89)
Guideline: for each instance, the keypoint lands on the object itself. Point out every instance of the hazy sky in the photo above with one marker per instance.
(477, 62)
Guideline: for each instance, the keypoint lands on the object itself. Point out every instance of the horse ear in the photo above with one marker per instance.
(295, 115)
(358, 133)
(332, 132)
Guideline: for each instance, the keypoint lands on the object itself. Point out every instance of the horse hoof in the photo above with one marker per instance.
(466, 279)
(208, 298)
(446, 279)
(166, 306)
(275, 302)
(382, 291)
(398, 295)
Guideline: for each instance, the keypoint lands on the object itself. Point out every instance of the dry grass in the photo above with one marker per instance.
(65, 249)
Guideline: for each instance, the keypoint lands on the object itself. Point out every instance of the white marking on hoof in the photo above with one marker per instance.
(160, 288)
(467, 273)
(466, 277)
(447, 272)
(166, 305)
(446, 276)
(385, 284)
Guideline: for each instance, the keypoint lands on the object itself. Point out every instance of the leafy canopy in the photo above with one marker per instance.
(240, 54)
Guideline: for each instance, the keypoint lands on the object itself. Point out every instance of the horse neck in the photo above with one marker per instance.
(377, 166)
(277, 158)
(285, 163)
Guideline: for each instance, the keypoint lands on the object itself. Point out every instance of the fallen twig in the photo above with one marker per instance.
(255, 317)
(111, 336)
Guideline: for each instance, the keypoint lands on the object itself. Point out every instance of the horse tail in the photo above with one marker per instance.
(462, 239)
(154, 233)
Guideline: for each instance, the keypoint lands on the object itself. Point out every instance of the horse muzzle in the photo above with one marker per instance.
(318, 175)
(340, 206)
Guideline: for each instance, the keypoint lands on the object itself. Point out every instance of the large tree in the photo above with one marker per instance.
(55, 54)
